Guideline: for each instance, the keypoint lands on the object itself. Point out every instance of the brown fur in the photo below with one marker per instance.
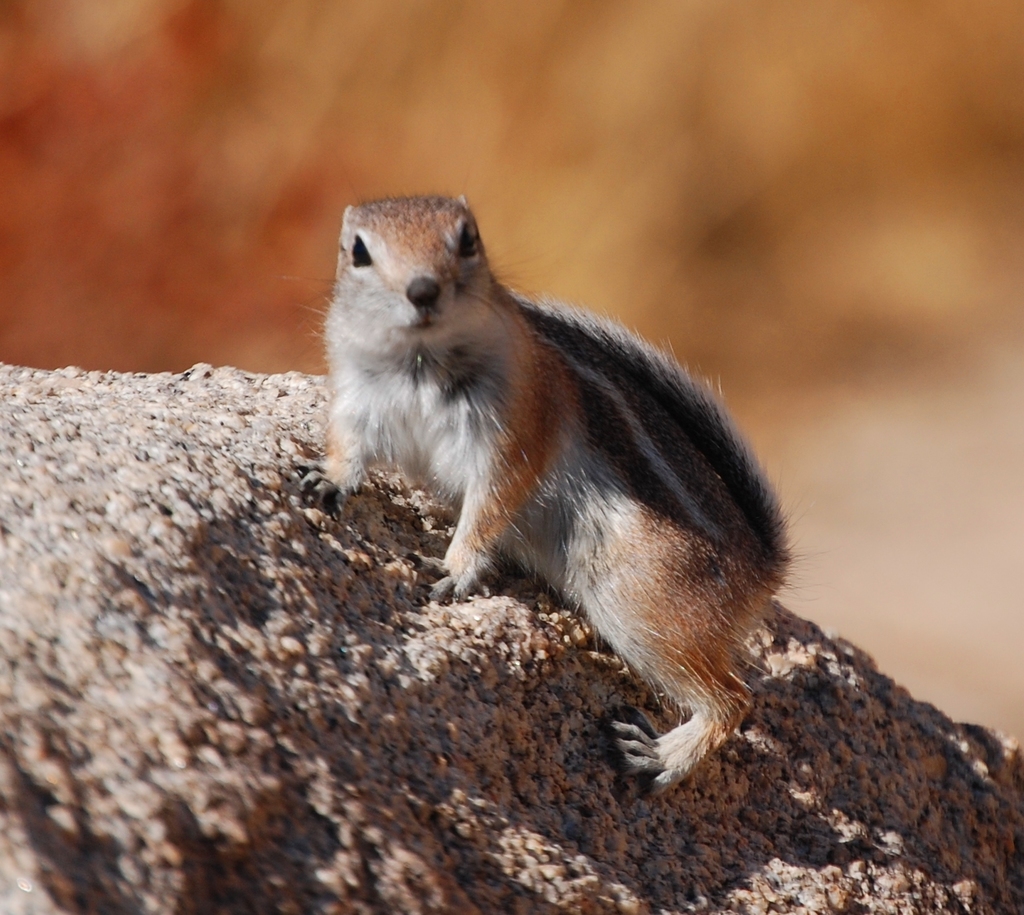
(533, 423)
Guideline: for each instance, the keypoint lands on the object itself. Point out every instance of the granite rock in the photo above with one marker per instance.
(216, 698)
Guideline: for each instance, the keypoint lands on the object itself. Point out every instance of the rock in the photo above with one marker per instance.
(217, 698)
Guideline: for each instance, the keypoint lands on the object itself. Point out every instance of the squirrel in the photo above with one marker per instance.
(564, 443)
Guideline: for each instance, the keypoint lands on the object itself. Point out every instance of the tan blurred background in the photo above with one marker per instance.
(818, 205)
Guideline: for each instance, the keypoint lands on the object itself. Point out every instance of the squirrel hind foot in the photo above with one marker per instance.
(661, 761)
(633, 746)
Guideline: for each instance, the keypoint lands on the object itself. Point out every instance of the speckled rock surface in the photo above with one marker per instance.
(216, 699)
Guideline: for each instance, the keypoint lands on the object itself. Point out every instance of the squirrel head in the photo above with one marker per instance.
(411, 264)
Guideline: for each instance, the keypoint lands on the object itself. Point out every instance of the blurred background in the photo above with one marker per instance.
(819, 206)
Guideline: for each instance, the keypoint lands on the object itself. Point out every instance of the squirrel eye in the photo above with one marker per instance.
(360, 256)
(467, 242)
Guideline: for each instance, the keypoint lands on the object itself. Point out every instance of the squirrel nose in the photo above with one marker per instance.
(423, 292)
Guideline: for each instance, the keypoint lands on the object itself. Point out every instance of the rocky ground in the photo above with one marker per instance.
(214, 698)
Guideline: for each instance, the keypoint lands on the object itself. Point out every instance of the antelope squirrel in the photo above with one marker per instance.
(566, 444)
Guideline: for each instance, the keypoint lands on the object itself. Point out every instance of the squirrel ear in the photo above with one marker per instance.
(462, 200)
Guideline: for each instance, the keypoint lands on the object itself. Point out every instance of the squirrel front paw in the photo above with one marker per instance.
(466, 569)
(322, 491)
(443, 589)
(450, 588)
